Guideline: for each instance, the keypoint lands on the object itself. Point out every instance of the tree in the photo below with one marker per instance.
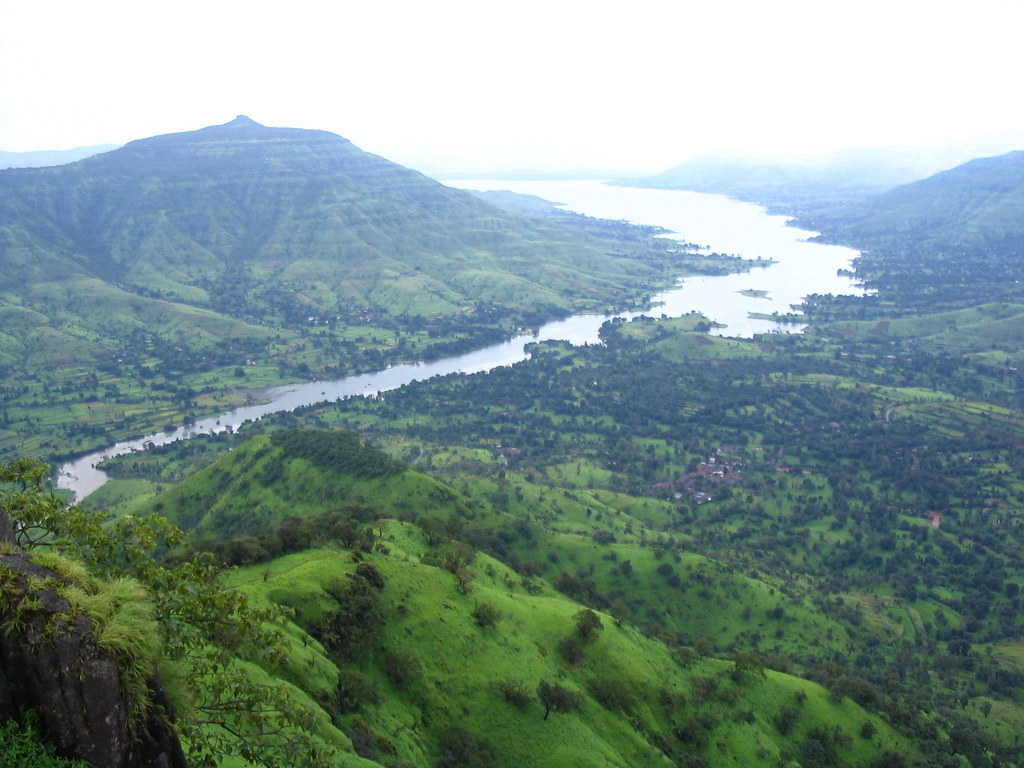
(486, 614)
(352, 627)
(461, 749)
(747, 663)
(588, 624)
(209, 632)
(703, 646)
(612, 693)
(556, 698)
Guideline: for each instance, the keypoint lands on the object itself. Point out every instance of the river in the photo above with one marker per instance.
(726, 226)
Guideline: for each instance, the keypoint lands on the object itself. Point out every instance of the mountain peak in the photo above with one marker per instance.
(243, 121)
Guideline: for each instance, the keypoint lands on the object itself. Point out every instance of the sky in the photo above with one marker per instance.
(479, 85)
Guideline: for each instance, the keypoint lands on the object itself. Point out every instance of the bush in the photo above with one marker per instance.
(787, 719)
(350, 630)
(402, 668)
(588, 624)
(369, 572)
(612, 693)
(22, 745)
(515, 692)
(556, 698)
(571, 650)
(690, 732)
(461, 749)
(486, 615)
(355, 690)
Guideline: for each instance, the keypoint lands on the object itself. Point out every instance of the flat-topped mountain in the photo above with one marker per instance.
(247, 256)
(281, 217)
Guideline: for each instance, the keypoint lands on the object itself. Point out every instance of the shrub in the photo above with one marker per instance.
(612, 693)
(22, 745)
(571, 650)
(787, 719)
(369, 572)
(355, 690)
(461, 749)
(588, 624)
(402, 668)
(515, 692)
(486, 614)
(556, 698)
(351, 629)
(691, 732)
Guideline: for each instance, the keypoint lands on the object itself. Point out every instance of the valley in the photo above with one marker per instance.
(685, 545)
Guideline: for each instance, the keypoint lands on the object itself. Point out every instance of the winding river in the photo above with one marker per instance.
(726, 226)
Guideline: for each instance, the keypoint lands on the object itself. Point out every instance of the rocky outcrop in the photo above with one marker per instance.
(50, 662)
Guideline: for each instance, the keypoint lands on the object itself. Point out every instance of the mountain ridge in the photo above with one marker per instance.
(288, 249)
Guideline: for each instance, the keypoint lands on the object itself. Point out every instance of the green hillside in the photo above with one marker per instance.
(952, 240)
(404, 646)
(842, 504)
(178, 274)
(300, 473)
(447, 683)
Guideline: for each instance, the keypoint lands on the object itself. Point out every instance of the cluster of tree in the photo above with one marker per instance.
(338, 451)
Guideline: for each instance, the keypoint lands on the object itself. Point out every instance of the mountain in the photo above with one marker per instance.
(45, 157)
(185, 266)
(960, 233)
(241, 218)
(798, 180)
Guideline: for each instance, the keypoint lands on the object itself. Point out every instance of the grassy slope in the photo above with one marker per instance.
(461, 663)
(258, 484)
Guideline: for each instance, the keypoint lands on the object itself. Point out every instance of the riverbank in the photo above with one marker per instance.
(792, 269)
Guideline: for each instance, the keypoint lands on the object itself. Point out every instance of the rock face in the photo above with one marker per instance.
(50, 662)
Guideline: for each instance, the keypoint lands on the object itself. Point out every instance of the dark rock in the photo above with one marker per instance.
(49, 662)
(6, 528)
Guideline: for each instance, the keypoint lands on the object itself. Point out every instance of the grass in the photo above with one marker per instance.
(460, 665)
(123, 621)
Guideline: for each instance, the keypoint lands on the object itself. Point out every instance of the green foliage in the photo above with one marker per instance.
(556, 698)
(514, 691)
(613, 693)
(207, 633)
(22, 745)
(588, 624)
(461, 749)
(350, 629)
(336, 451)
(746, 664)
(355, 690)
(486, 614)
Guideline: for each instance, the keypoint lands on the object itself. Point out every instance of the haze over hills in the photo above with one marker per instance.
(47, 157)
(798, 180)
(961, 231)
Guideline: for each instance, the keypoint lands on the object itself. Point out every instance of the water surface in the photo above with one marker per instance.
(726, 226)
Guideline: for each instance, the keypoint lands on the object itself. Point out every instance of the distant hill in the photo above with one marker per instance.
(794, 181)
(242, 219)
(192, 264)
(45, 157)
(954, 239)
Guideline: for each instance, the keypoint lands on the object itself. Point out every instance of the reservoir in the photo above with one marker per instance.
(800, 268)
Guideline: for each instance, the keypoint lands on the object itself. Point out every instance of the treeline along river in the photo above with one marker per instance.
(727, 226)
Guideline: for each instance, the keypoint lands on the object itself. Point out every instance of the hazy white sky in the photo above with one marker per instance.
(637, 84)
